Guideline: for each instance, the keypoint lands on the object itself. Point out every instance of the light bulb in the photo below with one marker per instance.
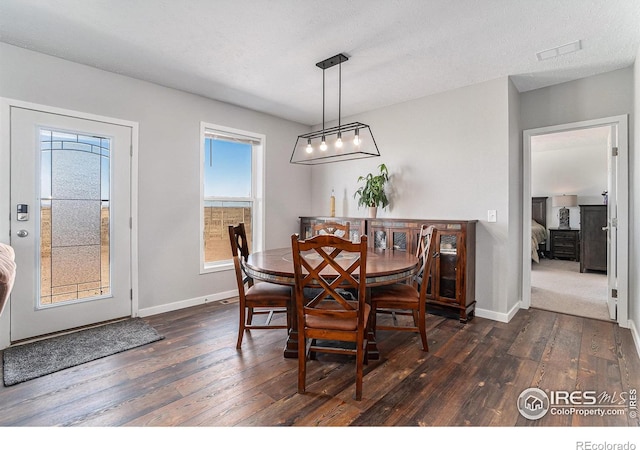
(323, 145)
(339, 141)
(309, 147)
(356, 139)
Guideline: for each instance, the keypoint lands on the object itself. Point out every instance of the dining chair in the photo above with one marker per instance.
(256, 298)
(329, 321)
(335, 228)
(408, 299)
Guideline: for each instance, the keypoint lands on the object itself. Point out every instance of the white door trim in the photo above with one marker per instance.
(5, 188)
(623, 207)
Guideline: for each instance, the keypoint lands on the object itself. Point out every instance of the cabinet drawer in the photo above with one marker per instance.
(564, 245)
(567, 238)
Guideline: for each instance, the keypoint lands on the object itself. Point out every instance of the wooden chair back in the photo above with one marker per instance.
(402, 299)
(255, 299)
(239, 251)
(334, 228)
(426, 251)
(328, 270)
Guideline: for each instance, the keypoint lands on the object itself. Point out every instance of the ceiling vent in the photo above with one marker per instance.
(559, 51)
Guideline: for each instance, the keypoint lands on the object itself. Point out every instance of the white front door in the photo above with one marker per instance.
(70, 222)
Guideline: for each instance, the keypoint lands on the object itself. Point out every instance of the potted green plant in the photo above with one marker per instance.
(372, 194)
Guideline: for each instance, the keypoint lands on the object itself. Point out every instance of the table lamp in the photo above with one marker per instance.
(564, 201)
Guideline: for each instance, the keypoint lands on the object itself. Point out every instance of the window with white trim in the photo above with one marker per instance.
(231, 191)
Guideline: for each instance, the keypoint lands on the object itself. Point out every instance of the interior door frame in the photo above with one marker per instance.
(622, 246)
(5, 190)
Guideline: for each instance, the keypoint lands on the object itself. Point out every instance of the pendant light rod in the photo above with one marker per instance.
(323, 99)
(339, 92)
(327, 63)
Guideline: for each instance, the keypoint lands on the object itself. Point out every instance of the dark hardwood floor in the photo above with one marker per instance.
(472, 376)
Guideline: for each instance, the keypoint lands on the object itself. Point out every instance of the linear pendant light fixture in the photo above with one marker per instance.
(340, 143)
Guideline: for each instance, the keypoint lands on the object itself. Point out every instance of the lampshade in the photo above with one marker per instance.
(564, 201)
(339, 143)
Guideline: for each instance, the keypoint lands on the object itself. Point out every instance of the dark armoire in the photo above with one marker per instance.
(593, 237)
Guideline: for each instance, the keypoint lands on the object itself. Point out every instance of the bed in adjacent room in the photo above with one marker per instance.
(538, 227)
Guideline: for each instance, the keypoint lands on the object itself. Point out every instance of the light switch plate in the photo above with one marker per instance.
(492, 215)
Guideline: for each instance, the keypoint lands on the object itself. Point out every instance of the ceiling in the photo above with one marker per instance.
(261, 54)
(583, 138)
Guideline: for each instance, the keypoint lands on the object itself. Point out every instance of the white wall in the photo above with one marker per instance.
(604, 95)
(449, 156)
(168, 178)
(575, 170)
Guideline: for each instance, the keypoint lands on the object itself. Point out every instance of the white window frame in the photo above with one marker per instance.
(257, 190)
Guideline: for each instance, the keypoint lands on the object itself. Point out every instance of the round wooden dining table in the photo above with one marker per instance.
(383, 267)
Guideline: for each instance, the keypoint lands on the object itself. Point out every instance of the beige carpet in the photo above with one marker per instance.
(558, 285)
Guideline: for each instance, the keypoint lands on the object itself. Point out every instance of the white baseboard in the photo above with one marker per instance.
(498, 317)
(145, 312)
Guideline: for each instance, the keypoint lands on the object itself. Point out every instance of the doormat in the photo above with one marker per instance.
(33, 360)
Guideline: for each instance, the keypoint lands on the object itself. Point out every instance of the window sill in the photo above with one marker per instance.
(216, 267)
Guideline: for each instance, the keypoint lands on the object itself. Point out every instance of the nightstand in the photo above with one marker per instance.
(565, 243)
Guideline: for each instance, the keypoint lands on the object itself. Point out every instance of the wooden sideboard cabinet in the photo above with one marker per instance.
(452, 287)
(593, 239)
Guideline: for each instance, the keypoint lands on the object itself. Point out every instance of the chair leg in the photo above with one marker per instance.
(250, 316)
(359, 370)
(422, 327)
(372, 318)
(366, 353)
(302, 363)
(312, 354)
(241, 326)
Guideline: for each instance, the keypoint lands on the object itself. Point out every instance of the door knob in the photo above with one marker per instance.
(23, 233)
(605, 228)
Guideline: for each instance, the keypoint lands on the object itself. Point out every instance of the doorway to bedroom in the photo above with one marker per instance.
(573, 181)
(569, 168)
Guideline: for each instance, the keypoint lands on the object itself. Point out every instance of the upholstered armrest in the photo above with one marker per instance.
(7, 273)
